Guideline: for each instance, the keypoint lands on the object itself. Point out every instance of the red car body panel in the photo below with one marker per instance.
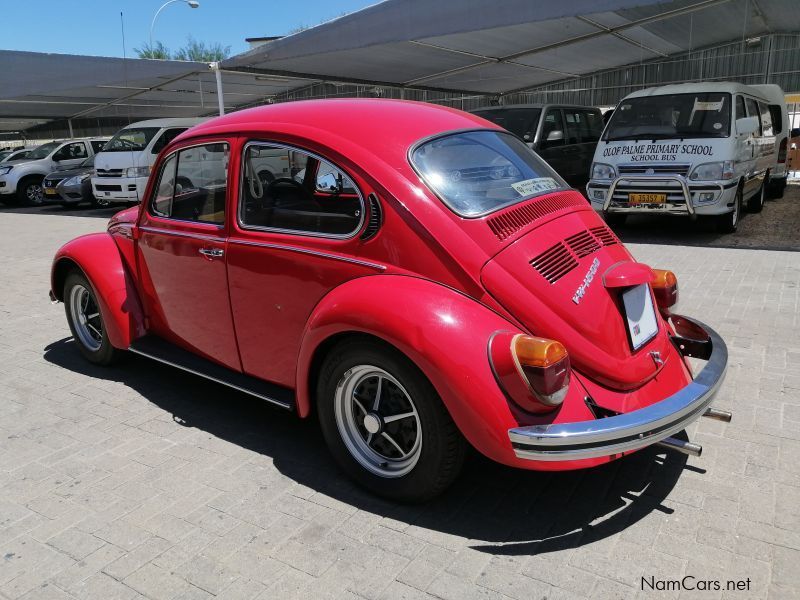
(432, 284)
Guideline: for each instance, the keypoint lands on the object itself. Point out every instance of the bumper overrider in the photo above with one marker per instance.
(639, 428)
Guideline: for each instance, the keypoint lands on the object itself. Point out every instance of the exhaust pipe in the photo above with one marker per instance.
(687, 448)
(718, 415)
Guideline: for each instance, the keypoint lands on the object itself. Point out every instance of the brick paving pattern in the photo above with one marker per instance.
(144, 482)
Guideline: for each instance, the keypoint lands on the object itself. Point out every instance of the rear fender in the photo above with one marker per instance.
(445, 334)
(97, 256)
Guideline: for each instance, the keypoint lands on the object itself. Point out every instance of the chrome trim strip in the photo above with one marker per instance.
(650, 179)
(346, 259)
(240, 203)
(628, 431)
(186, 234)
(225, 383)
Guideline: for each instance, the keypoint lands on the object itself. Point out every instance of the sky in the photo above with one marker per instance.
(93, 26)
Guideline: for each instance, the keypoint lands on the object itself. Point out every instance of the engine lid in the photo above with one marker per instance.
(552, 281)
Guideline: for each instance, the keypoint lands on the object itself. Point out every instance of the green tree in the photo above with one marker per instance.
(202, 52)
(157, 50)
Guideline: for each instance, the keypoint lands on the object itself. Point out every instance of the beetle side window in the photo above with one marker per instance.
(290, 190)
(193, 185)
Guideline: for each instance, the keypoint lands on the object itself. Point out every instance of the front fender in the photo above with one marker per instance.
(98, 257)
(445, 333)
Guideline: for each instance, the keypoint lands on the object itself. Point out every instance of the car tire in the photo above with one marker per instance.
(756, 203)
(30, 191)
(409, 459)
(776, 189)
(86, 322)
(729, 222)
(615, 219)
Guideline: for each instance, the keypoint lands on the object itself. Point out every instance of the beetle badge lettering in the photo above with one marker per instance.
(579, 293)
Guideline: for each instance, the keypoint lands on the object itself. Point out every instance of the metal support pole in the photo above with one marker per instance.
(220, 97)
(69, 124)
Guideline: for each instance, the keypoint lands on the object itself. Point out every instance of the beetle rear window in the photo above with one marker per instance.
(478, 172)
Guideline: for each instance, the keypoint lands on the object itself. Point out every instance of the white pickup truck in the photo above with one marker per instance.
(21, 180)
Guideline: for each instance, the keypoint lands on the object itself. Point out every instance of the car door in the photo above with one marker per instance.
(292, 242)
(583, 129)
(71, 155)
(551, 144)
(753, 142)
(182, 252)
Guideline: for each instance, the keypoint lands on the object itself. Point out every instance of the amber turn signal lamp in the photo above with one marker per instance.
(544, 364)
(665, 290)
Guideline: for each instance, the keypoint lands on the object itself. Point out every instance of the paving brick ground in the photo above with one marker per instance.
(143, 482)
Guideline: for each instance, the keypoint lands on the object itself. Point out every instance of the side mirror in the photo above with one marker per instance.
(746, 125)
(329, 183)
(555, 136)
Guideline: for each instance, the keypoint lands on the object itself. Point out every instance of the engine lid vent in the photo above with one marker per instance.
(582, 244)
(510, 221)
(604, 235)
(555, 262)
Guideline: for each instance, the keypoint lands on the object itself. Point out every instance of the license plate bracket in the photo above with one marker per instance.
(640, 315)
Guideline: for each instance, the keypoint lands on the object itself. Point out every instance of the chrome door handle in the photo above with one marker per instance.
(211, 252)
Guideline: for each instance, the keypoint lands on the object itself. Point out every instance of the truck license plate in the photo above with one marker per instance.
(647, 198)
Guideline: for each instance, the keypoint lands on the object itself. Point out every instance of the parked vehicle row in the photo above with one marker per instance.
(687, 149)
(22, 179)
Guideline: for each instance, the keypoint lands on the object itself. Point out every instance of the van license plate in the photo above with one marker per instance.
(647, 198)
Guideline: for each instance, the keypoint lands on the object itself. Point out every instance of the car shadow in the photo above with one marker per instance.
(502, 511)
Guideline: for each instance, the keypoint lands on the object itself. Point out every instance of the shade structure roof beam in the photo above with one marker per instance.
(601, 31)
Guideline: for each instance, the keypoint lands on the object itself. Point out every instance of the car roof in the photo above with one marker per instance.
(535, 105)
(380, 125)
(174, 122)
(730, 87)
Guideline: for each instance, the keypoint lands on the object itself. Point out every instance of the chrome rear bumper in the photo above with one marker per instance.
(640, 428)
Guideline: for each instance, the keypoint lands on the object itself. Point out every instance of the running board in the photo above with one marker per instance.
(165, 352)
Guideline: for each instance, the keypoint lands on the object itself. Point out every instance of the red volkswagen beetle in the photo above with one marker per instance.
(414, 276)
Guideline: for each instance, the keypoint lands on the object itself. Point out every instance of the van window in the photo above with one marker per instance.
(752, 111)
(776, 113)
(131, 139)
(196, 189)
(670, 116)
(583, 126)
(551, 128)
(519, 121)
(766, 119)
(741, 111)
(166, 138)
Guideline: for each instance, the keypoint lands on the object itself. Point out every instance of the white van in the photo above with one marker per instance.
(780, 127)
(122, 168)
(686, 149)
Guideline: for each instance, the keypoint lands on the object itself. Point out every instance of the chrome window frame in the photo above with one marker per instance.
(240, 202)
(153, 192)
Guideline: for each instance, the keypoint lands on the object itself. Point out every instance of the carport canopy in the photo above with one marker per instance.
(496, 47)
(36, 88)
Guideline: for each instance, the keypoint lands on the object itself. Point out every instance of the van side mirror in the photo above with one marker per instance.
(746, 125)
(555, 136)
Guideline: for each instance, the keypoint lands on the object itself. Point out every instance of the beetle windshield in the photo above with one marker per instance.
(477, 172)
(134, 139)
(699, 115)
